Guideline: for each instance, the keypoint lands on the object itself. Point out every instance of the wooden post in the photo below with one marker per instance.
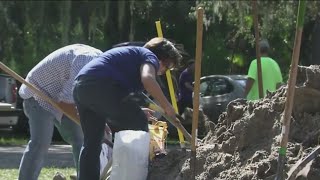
(196, 90)
(257, 39)
(290, 91)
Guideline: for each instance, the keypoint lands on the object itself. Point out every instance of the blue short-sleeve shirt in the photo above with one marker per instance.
(121, 64)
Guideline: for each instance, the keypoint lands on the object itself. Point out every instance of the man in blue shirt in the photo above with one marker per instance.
(100, 92)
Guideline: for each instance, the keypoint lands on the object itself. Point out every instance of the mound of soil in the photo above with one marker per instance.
(244, 143)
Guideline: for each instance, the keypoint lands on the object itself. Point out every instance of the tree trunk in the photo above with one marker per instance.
(121, 15)
(65, 19)
(106, 11)
(40, 30)
(132, 22)
(316, 42)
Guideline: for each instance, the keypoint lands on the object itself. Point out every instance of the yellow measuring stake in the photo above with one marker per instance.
(171, 90)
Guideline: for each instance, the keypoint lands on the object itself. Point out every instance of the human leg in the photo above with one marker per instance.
(93, 130)
(131, 146)
(41, 129)
(72, 134)
(98, 101)
(93, 126)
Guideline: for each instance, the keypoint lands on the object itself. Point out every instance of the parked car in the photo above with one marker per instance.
(22, 125)
(9, 113)
(216, 91)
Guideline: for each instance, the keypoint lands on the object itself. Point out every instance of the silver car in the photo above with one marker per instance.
(216, 91)
(9, 114)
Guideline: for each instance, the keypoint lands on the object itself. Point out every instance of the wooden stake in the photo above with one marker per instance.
(196, 90)
(290, 91)
(257, 38)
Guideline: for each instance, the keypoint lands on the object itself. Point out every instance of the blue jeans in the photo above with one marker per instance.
(41, 123)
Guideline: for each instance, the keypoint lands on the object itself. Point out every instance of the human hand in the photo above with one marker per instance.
(171, 113)
(148, 112)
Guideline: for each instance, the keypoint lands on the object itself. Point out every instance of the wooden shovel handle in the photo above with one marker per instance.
(38, 92)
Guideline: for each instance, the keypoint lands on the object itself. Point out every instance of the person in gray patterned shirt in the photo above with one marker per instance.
(54, 76)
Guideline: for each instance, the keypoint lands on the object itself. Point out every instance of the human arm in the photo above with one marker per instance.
(248, 87)
(149, 115)
(251, 77)
(188, 85)
(148, 79)
(280, 78)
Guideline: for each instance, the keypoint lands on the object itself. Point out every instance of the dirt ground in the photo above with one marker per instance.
(244, 144)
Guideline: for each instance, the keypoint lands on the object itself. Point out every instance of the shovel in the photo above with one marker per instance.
(302, 167)
(144, 100)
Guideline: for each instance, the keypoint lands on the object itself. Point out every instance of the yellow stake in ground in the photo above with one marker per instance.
(171, 90)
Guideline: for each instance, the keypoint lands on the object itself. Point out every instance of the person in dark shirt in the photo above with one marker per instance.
(185, 87)
(101, 89)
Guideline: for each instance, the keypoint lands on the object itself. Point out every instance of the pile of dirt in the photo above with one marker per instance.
(244, 143)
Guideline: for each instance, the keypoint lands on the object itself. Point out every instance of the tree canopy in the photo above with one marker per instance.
(32, 29)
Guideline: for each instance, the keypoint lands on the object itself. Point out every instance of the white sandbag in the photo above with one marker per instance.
(130, 155)
(106, 151)
(104, 157)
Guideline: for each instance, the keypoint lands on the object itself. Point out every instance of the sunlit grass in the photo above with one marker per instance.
(13, 141)
(46, 173)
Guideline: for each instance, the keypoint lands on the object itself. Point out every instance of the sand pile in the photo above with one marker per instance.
(244, 143)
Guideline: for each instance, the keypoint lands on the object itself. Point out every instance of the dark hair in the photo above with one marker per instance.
(264, 46)
(190, 62)
(164, 50)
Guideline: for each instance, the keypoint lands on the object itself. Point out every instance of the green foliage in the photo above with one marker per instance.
(9, 141)
(33, 29)
(46, 173)
(277, 21)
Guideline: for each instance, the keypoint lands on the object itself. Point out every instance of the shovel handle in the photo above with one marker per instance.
(37, 91)
(152, 105)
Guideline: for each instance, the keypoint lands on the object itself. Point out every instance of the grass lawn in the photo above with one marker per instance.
(8, 138)
(46, 173)
(5, 141)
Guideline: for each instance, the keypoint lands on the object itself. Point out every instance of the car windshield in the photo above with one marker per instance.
(215, 86)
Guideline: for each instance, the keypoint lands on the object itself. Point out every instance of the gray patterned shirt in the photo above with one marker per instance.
(54, 75)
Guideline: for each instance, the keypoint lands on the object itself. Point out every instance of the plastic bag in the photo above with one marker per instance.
(158, 135)
(104, 156)
(130, 155)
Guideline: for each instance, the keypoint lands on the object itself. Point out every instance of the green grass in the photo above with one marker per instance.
(13, 141)
(46, 173)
